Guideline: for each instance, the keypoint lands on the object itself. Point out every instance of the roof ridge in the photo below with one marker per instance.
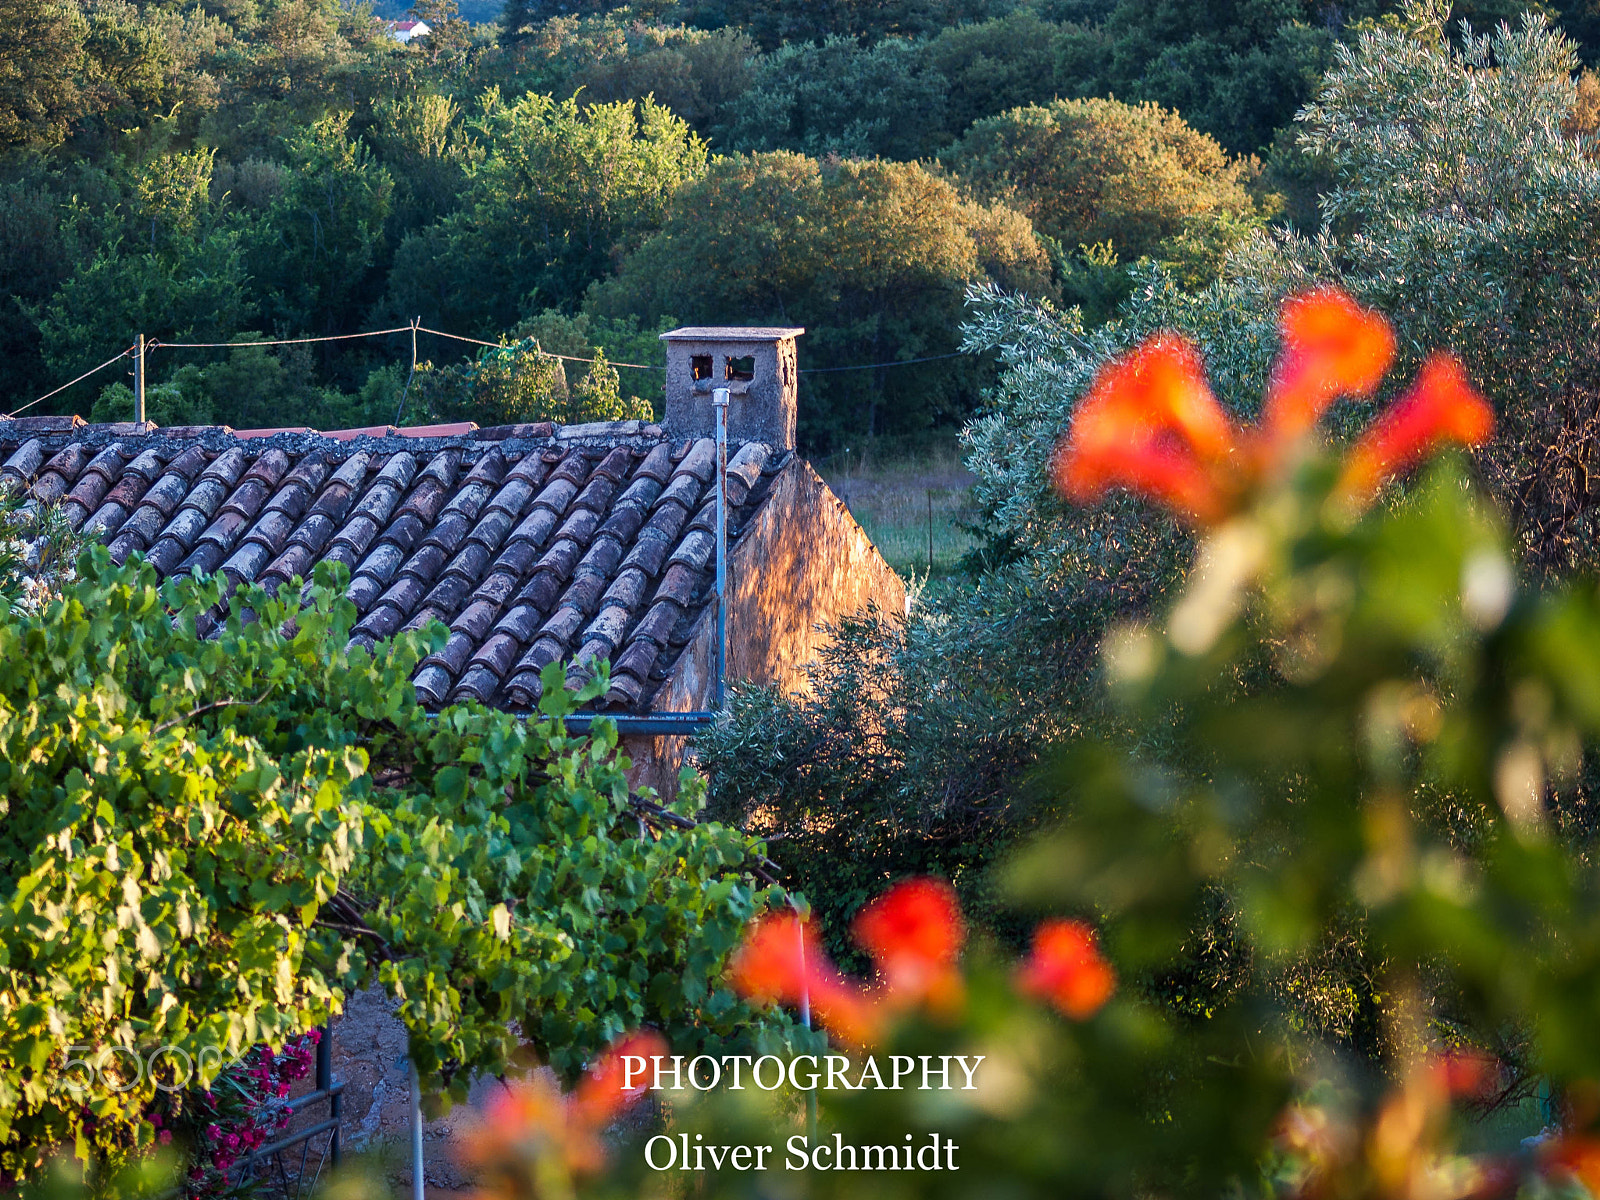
(299, 438)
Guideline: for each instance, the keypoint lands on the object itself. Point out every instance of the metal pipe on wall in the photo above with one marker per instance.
(719, 400)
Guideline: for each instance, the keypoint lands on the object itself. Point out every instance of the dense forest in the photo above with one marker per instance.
(579, 176)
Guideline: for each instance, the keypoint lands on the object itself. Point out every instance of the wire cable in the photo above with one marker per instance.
(335, 337)
(903, 362)
(546, 353)
(65, 386)
(415, 329)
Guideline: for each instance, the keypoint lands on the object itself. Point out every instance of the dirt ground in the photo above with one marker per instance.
(369, 1047)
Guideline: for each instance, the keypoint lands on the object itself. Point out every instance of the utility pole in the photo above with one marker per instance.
(138, 380)
(401, 407)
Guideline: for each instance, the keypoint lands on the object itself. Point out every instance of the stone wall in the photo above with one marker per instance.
(802, 562)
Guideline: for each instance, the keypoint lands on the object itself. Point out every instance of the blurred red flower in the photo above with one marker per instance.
(781, 961)
(529, 1126)
(1577, 1155)
(1442, 406)
(1150, 424)
(1468, 1073)
(601, 1096)
(914, 932)
(1332, 347)
(1067, 970)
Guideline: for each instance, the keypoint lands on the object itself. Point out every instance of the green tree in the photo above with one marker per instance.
(696, 74)
(1463, 210)
(1236, 69)
(871, 257)
(423, 143)
(839, 98)
(519, 383)
(311, 251)
(995, 65)
(448, 37)
(233, 832)
(35, 258)
(1135, 177)
(560, 190)
(1466, 211)
(41, 59)
(870, 20)
(198, 294)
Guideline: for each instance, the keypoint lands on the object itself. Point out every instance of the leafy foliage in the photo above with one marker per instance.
(871, 257)
(1136, 179)
(559, 188)
(209, 841)
(1489, 260)
(1333, 727)
(519, 383)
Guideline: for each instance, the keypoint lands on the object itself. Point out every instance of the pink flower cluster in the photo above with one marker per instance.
(242, 1112)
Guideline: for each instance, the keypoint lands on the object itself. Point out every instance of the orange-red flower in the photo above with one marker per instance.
(1468, 1073)
(1577, 1155)
(914, 933)
(782, 961)
(603, 1092)
(1332, 347)
(778, 959)
(1150, 424)
(1067, 970)
(529, 1129)
(1442, 406)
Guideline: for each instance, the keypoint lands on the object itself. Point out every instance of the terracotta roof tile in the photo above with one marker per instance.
(479, 684)
(684, 491)
(533, 544)
(107, 519)
(449, 593)
(205, 558)
(316, 531)
(433, 685)
(583, 595)
(425, 431)
(579, 526)
(657, 624)
(499, 653)
(406, 531)
(454, 654)
(521, 621)
(363, 590)
(425, 563)
(557, 494)
(475, 619)
(47, 424)
(296, 560)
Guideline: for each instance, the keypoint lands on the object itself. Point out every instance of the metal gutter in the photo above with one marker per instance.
(680, 723)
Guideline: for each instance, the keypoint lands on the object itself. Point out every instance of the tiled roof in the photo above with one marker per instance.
(532, 544)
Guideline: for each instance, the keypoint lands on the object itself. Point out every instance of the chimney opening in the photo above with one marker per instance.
(739, 370)
(700, 367)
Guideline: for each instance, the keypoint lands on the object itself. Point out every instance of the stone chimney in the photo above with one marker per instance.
(756, 365)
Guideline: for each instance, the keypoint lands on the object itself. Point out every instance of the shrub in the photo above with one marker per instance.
(1136, 177)
(210, 840)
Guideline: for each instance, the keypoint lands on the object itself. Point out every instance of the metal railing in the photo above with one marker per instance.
(275, 1158)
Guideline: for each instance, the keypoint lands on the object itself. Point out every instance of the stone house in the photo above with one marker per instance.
(532, 543)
